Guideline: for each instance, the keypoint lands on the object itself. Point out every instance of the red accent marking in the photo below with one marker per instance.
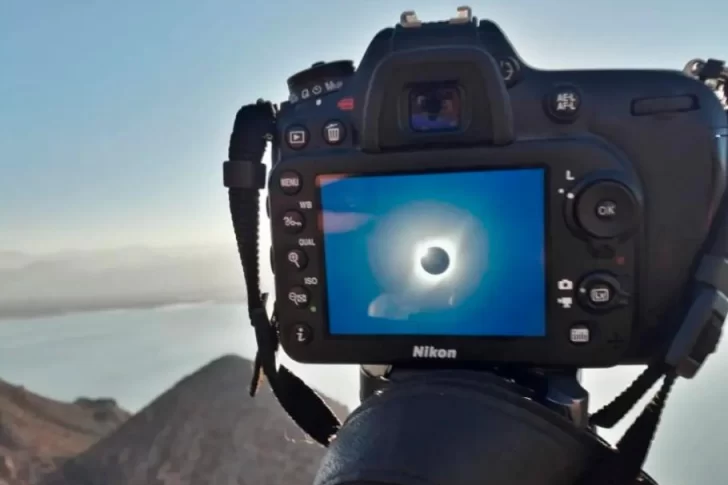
(346, 104)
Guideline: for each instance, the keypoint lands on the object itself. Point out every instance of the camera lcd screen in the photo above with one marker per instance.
(434, 107)
(436, 254)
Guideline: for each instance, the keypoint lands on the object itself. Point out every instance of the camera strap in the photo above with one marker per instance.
(245, 176)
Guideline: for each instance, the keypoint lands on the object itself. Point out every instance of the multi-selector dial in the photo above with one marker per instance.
(604, 209)
(607, 209)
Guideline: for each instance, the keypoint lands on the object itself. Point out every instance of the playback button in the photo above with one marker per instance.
(297, 137)
(297, 259)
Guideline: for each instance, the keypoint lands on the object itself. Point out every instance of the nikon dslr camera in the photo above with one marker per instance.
(445, 200)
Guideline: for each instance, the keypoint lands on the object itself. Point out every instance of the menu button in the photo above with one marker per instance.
(290, 182)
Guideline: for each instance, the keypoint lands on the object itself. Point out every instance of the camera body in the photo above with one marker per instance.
(448, 202)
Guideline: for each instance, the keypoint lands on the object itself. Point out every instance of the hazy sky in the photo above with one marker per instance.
(114, 116)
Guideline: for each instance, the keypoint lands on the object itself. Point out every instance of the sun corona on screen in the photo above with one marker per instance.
(435, 260)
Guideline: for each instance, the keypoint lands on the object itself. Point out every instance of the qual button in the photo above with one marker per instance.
(297, 259)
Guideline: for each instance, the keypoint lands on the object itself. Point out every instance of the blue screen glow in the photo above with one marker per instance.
(445, 254)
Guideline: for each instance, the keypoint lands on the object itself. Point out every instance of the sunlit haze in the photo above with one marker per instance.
(114, 116)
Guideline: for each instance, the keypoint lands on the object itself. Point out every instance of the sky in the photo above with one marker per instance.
(115, 116)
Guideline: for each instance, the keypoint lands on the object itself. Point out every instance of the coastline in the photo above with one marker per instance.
(58, 309)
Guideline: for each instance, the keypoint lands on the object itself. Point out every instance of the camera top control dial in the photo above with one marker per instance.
(320, 79)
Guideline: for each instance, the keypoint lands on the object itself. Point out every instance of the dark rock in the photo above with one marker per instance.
(8, 472)
(38, 434)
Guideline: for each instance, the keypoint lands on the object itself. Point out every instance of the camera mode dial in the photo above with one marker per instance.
(320, 79)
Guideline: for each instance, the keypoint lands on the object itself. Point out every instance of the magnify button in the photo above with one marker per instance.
(297, 259)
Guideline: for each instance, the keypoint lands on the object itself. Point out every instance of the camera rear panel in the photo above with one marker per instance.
(577, 309)
(657, 133)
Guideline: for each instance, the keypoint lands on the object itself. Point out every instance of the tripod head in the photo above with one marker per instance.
(609, 297)
(462, 428)
(559, 390)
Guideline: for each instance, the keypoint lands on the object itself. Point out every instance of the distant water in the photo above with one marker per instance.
(134, 355)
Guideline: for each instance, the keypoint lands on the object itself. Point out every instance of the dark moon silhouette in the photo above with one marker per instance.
(435, 261)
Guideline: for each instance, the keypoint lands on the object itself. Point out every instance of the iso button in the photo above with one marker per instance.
(290, 182)
(607, 209)
(299, 297)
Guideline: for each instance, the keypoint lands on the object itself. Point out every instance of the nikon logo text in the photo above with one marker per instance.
(430, 352)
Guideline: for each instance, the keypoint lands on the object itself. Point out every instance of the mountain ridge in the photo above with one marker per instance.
(205, 429)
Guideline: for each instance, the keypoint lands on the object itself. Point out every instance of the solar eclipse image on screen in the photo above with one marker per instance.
(438, 254)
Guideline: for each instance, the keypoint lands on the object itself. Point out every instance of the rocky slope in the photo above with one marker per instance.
(205, 430)
(37, 434)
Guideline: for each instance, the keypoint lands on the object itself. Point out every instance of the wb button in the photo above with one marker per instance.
(606, 209)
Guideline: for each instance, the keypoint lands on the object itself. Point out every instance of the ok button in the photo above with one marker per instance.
(606, 210)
